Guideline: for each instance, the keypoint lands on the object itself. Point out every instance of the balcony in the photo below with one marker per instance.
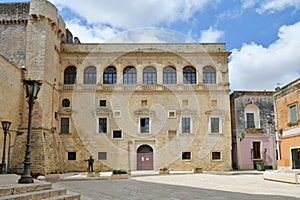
(252, 127)
(143, 87)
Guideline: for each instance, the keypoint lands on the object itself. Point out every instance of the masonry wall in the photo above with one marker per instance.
(289, 132)
(11, 94)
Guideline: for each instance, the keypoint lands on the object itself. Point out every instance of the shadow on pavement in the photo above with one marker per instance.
(133, 189)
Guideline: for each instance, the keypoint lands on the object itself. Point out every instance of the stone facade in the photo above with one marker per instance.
(165, 122)
(288, 125)
(253, 129)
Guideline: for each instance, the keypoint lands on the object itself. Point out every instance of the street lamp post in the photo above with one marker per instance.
(5, 126)
(32, 89)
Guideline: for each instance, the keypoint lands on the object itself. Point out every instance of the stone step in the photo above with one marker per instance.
(35, 194)
(11, 189)
(65, 197)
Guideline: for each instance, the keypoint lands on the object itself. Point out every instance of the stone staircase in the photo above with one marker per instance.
(40, 190)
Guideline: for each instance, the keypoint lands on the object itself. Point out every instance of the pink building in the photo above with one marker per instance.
(253, 129)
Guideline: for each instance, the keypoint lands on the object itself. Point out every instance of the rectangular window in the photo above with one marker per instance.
(117, 134)
(144, 125)
(185, 125)
(186, 155)
(102, 103)
(71, 155)
(117, 114)
(216, 155)
(102, 125)
(144, 102)
(64, 125)
(171, 114)
(172, 134)
(215, 122)
(250, 120)
(102, 156)
(214, 103)
(293, 113)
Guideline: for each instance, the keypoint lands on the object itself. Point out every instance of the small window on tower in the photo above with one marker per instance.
(102, 103)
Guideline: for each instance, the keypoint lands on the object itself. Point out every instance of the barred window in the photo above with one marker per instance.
(90, 75)
(186, 125)
(149, 75)
(64, 125)
(65, 103)
(144, 125)
(110, 75)
(189, 75)
(169, 75)
(102, 125)
(129, 75)
(215, 125)
(70, 75)
(209, 75)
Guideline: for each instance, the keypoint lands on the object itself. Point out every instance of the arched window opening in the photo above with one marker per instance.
(129, 75)
(65, 103)
(252, 119)
(149, 75)
(70, 75)
(209, 75)
(110, 75)
(90, 75)
(169, 75)
(144, 149)
(189, 75)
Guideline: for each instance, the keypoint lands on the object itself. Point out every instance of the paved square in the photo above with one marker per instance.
(191, 186)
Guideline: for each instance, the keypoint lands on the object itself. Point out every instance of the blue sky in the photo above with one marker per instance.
(263, 35)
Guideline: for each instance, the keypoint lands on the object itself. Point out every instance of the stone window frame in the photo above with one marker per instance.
(293, 105)
(110, 75)
(188, 154)
(209, 75)
(210, 124)
(90, 75)
(169, 75)
(116, 115)
(190, 125)
(72, 155)
(63, 129)
(149, 75)
(172, 111)
(189, 74)
(70, 74)
(212, 156)
(117, 138)
(140, 128)
(103, 154)
(129, 75)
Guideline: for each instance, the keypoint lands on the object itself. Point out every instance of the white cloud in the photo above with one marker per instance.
(272, 6)
(133, 13)
(211, 35)
(248, 3)
(255, 67)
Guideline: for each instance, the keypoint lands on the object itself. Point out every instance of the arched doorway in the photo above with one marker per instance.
(145, 158)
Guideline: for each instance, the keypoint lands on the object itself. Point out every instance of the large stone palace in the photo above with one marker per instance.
(133, 106)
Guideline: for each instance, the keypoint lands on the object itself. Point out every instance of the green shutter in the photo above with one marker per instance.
(293, 114)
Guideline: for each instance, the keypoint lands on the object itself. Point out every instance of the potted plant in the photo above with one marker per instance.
(119, 174)
(198, 170)
(164, 170)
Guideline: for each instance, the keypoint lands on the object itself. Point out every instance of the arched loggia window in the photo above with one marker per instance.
(89, 75)
(189, 75)
(70, 75)
(110, 75)
(209, 75)
(149, 75)
(170, 75)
